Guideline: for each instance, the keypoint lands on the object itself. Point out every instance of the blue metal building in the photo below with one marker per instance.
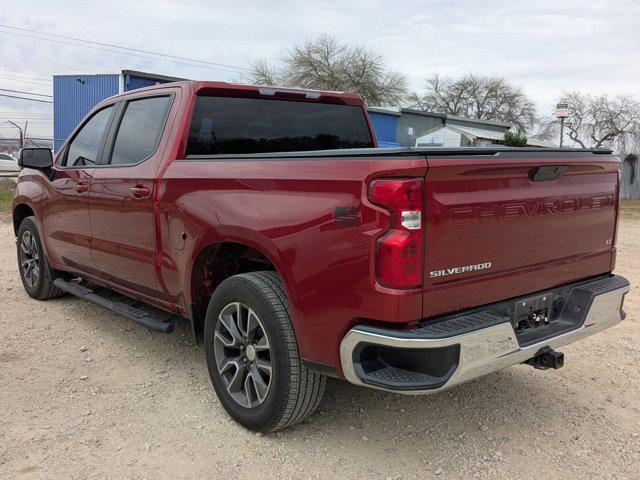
(385, 125)
(75, 95)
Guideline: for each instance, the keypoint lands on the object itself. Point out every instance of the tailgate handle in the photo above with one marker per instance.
(547, 172)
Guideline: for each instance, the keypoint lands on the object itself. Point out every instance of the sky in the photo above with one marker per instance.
(542, 46)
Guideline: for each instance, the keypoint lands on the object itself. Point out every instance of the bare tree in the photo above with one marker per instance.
(477, 96)
(599, 121)
(262, 73)
(325, 64)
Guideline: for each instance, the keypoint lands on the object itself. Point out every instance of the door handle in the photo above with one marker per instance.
(82, 187)
(140, 191)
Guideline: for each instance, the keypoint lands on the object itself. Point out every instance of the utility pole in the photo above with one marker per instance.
(21, 130)
(562, 112)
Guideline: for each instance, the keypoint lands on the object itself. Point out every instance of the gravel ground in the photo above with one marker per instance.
(87, 394)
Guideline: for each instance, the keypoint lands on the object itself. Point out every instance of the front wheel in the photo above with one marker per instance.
(253, 357)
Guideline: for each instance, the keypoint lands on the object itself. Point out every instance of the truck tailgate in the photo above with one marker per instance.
(503, 225)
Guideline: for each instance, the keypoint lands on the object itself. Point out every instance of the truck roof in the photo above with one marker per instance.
(258, 91)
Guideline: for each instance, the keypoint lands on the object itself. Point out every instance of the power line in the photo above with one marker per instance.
(27, 113)
(21, 80)
(126, 48)
(23, 119)
(27, 74)
(39, 122)
(125, 53)
(21, 91)
(17, 115)
(29, 119)
(26, 98)
(26, 117)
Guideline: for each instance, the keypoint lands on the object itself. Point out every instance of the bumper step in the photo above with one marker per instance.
(128, 311)
(398, 376)
(579, 299)
(441, 353)
(459, 325)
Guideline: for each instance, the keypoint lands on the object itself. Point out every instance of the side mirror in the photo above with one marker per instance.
(38, 158)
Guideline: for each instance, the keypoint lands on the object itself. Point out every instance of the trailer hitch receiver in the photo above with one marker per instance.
(547, 358)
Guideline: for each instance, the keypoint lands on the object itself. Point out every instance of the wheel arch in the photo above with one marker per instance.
(21, 211)
(218, 259)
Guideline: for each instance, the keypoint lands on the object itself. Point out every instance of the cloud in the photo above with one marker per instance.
(543, 46)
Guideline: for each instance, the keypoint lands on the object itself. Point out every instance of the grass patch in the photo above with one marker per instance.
(6, 197)
(7, 187)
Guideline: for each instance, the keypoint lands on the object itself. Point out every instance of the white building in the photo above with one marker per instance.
(464, 136)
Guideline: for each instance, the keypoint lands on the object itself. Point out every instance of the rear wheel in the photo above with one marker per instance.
(35, 272)
(243, 354)
(253, 357)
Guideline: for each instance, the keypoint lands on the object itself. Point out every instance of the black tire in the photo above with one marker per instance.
(40, 288)
(294, 392)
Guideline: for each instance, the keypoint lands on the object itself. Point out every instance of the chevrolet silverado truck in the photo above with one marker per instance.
(296, 249)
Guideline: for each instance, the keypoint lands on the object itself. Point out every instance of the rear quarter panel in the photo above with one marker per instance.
(287, 210)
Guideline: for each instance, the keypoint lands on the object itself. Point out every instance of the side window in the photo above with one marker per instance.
(140, 130)
(83, 149)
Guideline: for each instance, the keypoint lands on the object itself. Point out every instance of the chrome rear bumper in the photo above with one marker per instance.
(479, 351)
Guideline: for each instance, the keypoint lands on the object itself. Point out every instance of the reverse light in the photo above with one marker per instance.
(399, 250)
(411, 219)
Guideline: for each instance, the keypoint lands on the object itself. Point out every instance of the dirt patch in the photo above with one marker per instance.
(95, 396)
(29, 469)
(8, 357)
(630, 209)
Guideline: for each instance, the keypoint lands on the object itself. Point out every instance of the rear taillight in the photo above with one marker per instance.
(399, 251)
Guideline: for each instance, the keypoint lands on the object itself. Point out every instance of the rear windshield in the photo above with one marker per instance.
(223, 125)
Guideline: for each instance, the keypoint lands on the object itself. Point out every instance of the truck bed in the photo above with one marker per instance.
(523, 249)
(409, 151)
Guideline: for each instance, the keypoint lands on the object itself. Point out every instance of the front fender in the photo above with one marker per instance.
(31, 193)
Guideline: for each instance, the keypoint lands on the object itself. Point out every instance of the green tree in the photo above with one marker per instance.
(514, 140)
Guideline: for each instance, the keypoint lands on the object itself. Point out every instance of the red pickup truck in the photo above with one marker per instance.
(296, 249)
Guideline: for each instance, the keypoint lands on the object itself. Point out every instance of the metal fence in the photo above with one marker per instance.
(630, 181)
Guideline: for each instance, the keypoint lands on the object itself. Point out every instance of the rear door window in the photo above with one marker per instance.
(224, 125)
(84, 148)
(140, 130)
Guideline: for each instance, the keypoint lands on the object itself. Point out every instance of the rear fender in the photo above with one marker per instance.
(258, 242)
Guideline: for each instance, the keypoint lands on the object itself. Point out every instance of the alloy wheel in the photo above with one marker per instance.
(243, 354)
(29, 259)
